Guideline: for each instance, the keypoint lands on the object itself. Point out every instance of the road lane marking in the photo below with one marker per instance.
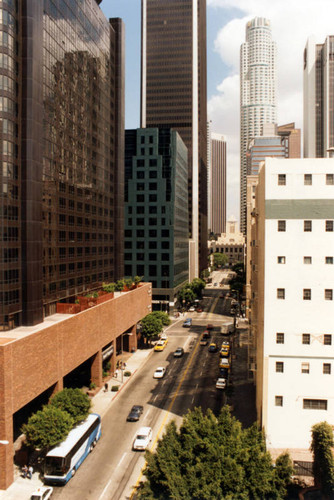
(166, 416)
(148, 411)
(121, 460)
(192, 400)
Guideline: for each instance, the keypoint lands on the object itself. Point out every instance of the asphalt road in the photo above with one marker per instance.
(112, 469)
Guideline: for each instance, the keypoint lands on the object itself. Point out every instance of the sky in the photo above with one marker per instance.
(292, 22)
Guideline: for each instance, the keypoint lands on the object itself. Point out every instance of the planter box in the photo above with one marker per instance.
(63, 308)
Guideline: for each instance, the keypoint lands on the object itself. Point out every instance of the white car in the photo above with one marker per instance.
(191, 309)
(142, 439)
(42, 493)
(221, 383)
(159, 372)
(163, 336)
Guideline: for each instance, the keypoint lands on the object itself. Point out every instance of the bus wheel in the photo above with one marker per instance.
(73, 472)
(91, 448)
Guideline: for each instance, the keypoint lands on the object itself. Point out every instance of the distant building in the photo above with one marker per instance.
(291, 306)
(156, 211)
(231, 243)
(291, 139)
(257, 95)
(318, 98)
(174, 95)
(217, 186)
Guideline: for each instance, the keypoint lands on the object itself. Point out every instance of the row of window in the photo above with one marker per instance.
(307, 179)
(151, 256)
(307, 294)
(305, 367)
(329, 226)
(306, 338)
(281, 259)
(308, 404)
(152, 233)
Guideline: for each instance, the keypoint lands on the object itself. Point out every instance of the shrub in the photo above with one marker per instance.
(92, 385)
(74, 402)
(120, 285)
(127, 374)
(128, 282)
(114, 388)
(108, 287)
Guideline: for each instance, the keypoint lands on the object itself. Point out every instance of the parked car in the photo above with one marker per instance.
(187, 323)
(159, 372)
(135, 413)
(179, 352)
(191, 309)
(199, 310)
(221, 383)
(160, 345)
(213, 347)
(163, 336)
(42, 493)
(203, 341)
(209, 327)
(142, 438)
(206, 334)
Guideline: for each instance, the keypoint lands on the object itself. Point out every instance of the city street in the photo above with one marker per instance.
(112, 469)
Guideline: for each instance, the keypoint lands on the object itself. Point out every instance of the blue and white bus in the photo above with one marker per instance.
(62, 461)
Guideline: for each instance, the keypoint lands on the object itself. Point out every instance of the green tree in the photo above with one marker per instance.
(74, 401)
(162, 316)
(197, 285)
(186, 296)
(47, 428)
(120, 285)
(205, 273)
(323, 463)
(220, 259)
(211, 458)
(151, 326)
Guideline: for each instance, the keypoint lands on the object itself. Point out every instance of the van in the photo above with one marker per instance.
(227, 329)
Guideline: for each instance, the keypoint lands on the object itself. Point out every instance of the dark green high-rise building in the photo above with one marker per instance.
(156, 211)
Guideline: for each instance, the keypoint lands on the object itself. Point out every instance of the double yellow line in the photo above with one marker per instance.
(166, 416)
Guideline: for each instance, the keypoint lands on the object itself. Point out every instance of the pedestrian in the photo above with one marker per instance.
(30, 471)
(124, 366)
(24, 471)
(106, 387)
(116, 373)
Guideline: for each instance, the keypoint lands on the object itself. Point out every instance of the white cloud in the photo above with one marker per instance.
(292, 23)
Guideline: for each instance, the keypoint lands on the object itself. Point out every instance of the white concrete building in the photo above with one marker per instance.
(292, 300)
(231, 243)
(257, 93)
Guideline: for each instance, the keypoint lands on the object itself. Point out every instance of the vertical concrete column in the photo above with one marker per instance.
(96, 369)
(113, 359)
(59, 386)
(133, 339)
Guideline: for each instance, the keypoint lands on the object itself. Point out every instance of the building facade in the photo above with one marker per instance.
(62, 89)
(257, 93)
(174, 95)
(318, 98)
(156, 211)
(217, 186)
(292, 300)
(231, 243)
(291, 139)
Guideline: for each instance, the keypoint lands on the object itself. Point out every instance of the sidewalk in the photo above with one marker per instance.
(22, 488)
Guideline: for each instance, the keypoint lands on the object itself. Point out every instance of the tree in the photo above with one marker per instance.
(323, 462)
(151, 326)
(186, 296)
(162, 316)
(197, 285)
(212, 458)
(74, 401)
(220, 259)
(47, 428)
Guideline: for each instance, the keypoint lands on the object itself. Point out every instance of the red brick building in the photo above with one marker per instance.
(34, 360)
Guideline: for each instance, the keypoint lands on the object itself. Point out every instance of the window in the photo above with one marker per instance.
(330, 179)
(281, 225)
(329, 226)
(305, 367)
(308, 179)
(315, 404)
(307, 226)
(329, 260)
(281, 293)
(306, 338)
(152, 233)
(279, 366)
(307, 260)
(281, 179)
(307, 294)
(281, 260)
(326, 368)
(279, 338)
(278, 400)
(328, 294)
(327, 339)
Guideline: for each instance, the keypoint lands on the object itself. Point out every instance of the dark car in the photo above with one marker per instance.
(179, 352)
(135, 413)
(209, 326)
(223, 373)
(187, 323)
(213, 348)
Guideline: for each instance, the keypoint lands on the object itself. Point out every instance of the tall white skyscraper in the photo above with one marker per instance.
(257, 93)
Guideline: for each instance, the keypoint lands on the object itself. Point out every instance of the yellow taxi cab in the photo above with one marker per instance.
(224, 351)
(160, 345)
(224, 363)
